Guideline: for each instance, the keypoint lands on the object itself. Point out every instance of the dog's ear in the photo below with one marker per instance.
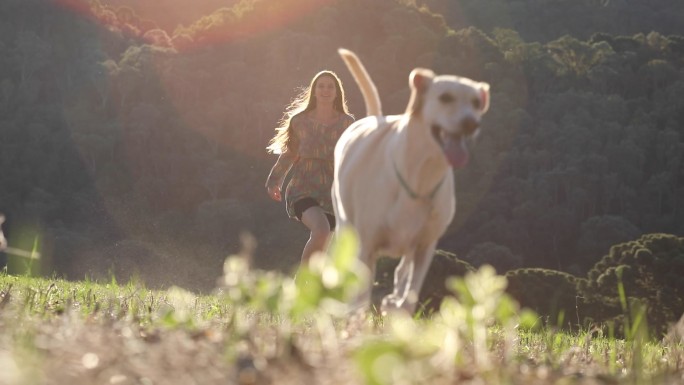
(419, 80)
(484, 96)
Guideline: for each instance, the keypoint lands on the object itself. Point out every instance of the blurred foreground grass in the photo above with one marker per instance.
(265, 328)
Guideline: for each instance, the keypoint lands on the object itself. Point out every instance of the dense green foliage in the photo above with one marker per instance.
(650, 269)
(547, 20)
(646, 272)
(550, 293)
(126, 142)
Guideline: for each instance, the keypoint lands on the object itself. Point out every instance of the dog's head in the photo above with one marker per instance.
(451, 107)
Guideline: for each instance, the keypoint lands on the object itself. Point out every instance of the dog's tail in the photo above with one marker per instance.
(368, 90)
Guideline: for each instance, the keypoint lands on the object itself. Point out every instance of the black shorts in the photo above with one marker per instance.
(301, 205)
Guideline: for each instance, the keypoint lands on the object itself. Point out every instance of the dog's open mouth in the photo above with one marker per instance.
(453, 146)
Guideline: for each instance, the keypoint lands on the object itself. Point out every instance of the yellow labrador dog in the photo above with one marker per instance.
(393, 179)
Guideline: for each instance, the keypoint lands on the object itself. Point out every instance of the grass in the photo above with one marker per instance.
(265, 328)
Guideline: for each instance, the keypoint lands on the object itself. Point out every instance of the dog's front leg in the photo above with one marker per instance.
(408, 279)
(423, 259)
(403, 274)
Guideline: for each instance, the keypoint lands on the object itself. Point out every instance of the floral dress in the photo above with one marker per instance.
(311, 161)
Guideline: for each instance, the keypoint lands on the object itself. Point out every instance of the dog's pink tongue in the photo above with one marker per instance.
(456, 152)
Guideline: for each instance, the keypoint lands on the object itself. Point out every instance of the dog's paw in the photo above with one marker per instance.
(393, 304)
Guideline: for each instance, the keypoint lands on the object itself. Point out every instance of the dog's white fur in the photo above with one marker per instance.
(393, 179)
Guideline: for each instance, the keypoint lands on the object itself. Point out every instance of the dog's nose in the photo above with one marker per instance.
(469, 125)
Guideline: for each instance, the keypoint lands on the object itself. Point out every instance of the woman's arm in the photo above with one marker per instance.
(279, 171)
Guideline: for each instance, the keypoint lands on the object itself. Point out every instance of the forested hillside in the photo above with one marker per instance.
(126, 143)
(167, 14)
(547, 20)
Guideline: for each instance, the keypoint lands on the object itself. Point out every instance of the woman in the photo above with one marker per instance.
(305, 140)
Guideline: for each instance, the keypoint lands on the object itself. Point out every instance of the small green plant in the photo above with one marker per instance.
(22, 262)
(325, 285)
(635, 325)
(462, 334)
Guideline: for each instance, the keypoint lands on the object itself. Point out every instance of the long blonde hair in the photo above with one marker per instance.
(304, 102)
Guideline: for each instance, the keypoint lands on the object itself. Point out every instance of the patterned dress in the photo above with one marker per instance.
(311, 160)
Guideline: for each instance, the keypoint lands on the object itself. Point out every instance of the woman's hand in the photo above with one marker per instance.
(274, 193)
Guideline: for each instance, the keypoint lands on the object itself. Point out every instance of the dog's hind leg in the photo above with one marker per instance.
(408, 279)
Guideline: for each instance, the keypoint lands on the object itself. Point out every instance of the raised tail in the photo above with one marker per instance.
(368, 90)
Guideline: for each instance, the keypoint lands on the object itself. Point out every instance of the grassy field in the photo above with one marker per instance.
(266, 328)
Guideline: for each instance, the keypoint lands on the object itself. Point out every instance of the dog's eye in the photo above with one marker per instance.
(446, 98)
(477, 103)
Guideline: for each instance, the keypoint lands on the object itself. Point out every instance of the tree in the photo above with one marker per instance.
(489, 253)
(577, 57)
(598, 233)
(33, 54)
(158, 37)
(650, 269)
(552, 294)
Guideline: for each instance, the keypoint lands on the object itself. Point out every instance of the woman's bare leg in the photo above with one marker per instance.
(316, 221)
